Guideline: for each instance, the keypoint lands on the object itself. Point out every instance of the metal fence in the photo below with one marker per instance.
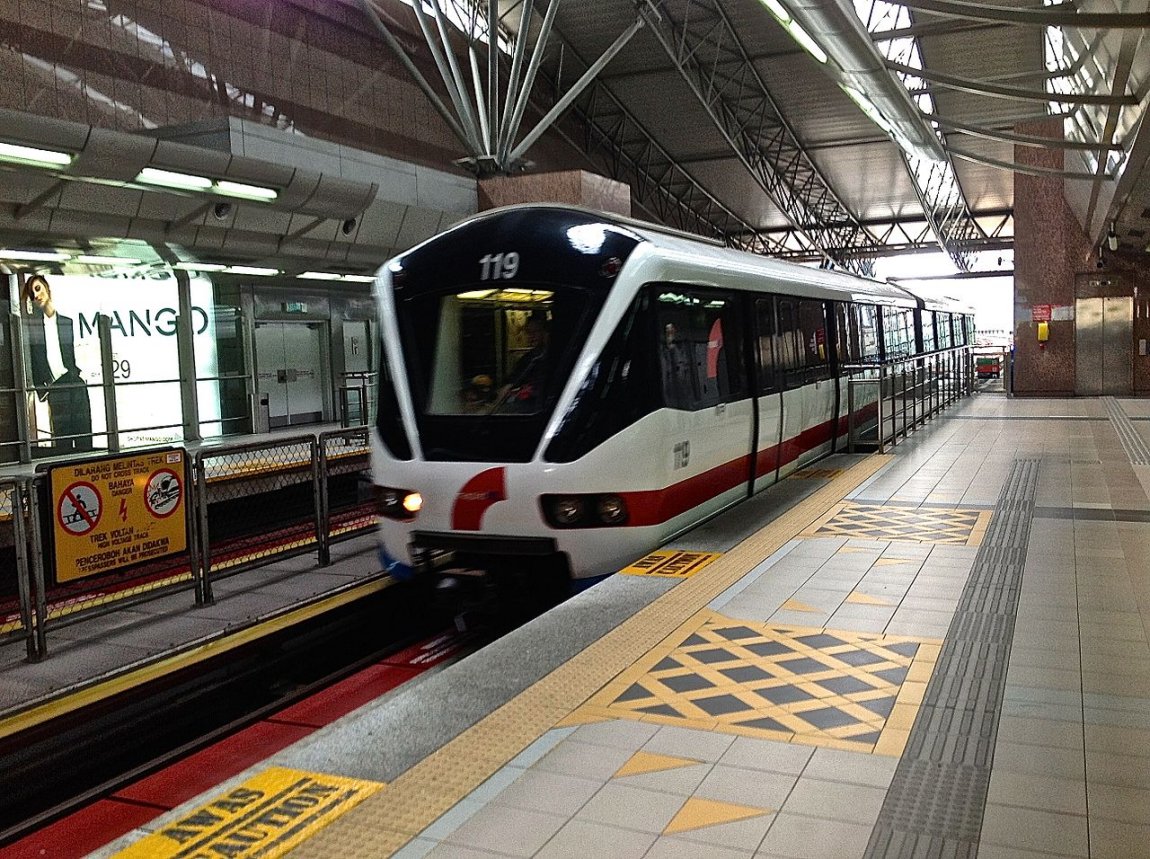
(247, 505)
(888, 400)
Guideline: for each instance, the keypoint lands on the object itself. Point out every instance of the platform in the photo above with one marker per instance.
(943, 650)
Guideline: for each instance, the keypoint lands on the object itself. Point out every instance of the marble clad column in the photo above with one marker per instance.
(573, 187)
(1049, 249)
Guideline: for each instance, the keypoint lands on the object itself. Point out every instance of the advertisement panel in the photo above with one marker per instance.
(112, 513)
(60, 318)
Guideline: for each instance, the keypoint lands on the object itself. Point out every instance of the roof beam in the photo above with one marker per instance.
(1043, 16)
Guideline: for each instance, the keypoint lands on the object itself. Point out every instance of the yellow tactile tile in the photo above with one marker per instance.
(698, 812)
(647, 762)
(387, 821)
(670, 563)
(906, 524)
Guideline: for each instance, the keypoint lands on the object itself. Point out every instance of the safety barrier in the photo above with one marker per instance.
(888, 400)
(247, 505)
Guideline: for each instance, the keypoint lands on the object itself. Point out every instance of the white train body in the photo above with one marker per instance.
(637, 431)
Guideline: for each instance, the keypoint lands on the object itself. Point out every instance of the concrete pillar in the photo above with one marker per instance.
(572, 187)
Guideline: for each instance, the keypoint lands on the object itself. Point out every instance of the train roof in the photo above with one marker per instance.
(708, 255)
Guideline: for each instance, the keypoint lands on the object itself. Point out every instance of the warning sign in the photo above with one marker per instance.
(670, 563)
(114, 512)
(266, 816)
(79, 509)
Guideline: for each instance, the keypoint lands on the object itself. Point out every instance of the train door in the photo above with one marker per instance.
(291, 362)
(704, 379)
(769, 394)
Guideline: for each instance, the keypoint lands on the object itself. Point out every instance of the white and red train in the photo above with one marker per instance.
(565, 390)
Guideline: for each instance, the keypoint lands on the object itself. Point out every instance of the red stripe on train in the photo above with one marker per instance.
(655, 506)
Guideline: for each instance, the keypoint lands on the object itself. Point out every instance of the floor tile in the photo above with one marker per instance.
(689, 743)
(539, 790)
(834, 800)
(581, 839)
(626, 807)
(1114, 802)
(751, 753)
(514, 831)
(1111, 839)
(1066, 796)
(852, 767)
(747, 787)
(618, 733)
(584, 760)
(797, 837)
(1029, 829)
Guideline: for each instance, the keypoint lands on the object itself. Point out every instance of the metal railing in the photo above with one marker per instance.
(888, 400)
(247, 505)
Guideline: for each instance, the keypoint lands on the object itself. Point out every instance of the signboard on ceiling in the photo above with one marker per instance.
(110, 513)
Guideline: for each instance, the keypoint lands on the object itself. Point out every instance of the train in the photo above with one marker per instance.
(563, 390)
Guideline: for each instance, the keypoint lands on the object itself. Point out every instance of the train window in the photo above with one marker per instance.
(929, 341)
(786, 351)
(868, 332)
(700, 350)
(959, 323)
(846, 333)
(388, 420)
(898, 332)
(942, 327)
(766, 335)
(813, 333)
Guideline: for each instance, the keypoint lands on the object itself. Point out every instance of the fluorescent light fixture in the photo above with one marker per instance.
(476, 294)
(171, 179)
(360, 278)
(252, 270)
(245, 192)
(778, 10)
(199, 266)
(32, 155)
(34, 256)
(99, 260)
(806, 41)
(318, 275)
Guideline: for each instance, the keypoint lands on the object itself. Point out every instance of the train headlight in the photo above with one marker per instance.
(395, 503)
(612, 510)
(568, 511)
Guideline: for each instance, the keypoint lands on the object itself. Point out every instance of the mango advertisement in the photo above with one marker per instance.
(112, 513)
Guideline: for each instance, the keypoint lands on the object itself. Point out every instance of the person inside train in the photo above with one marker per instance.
(525, 386)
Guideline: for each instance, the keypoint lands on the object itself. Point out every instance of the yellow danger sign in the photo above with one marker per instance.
(266, 816)
(113, 512)
(670, 563)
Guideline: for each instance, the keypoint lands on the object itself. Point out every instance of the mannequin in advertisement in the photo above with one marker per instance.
(56, 378)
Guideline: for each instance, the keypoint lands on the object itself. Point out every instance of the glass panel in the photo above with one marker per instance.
(868, 332)
(813, 333)
(765, 330)
(701, 348)
(929, 341)
(221, 371)
(898, 332)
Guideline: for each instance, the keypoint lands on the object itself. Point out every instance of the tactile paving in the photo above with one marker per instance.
(1135, 446)
(780, 682)
(388, 820)
(909, 524)
(936, 800)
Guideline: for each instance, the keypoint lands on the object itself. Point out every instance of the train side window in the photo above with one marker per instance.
(786, 350)
(813, 339)
(868, 332)
(846, 333)
(942, 324)
(929, 341)
(898, 332)
(701, 351)
(765, 335)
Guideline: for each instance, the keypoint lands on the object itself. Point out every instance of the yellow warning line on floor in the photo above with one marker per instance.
(265, 816)
(387, 821)
(670, 563)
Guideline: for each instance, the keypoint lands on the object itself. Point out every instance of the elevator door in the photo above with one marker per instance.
(1104, 330)
(289, 356)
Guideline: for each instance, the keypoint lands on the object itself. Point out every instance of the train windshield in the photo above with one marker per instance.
(487, 364)
(493, 352)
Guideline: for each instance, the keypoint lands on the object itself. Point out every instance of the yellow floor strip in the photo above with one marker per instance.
(795, 605)
(265, 816)
(102, 691)
(387, 821)
(641, 763)
(698, 812)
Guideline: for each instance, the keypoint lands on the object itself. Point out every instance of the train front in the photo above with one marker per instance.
(486, 330)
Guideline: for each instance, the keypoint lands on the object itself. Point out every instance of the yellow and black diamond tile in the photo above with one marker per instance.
(916, 525)
(798, 684)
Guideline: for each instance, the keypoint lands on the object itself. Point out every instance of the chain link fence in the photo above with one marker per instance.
(347, 507)
(15, 582)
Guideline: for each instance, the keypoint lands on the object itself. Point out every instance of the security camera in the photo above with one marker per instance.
(222, 211)
(348, 226)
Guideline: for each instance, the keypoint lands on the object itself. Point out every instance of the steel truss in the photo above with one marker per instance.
(698, 38)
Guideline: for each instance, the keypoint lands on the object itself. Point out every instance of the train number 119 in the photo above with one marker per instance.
(499, 266)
